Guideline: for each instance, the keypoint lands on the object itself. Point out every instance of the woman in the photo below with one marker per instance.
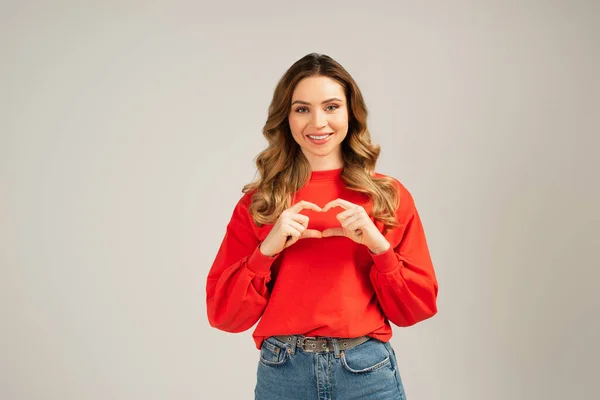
(323, 250)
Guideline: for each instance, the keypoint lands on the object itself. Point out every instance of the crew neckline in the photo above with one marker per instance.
(326, 175)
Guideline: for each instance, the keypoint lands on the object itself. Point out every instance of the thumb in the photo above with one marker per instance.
(333, 232)
(311, 233)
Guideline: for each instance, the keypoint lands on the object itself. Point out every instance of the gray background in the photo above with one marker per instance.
(128, 129)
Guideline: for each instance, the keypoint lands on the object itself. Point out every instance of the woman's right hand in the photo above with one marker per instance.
(290, 227)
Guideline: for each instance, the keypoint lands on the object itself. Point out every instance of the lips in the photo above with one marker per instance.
(319, 134)
(322, 141)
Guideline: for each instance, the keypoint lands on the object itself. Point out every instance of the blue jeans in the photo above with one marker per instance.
(368, 371)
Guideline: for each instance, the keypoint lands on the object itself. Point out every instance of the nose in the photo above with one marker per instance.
(319, 119)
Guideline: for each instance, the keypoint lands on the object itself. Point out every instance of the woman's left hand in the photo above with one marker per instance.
(356, 225)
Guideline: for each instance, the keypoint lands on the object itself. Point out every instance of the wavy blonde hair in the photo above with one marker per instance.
(284, 169)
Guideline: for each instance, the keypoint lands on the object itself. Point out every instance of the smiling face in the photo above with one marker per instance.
(319, 121)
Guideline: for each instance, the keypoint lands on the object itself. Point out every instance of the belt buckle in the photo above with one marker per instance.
(302, 342)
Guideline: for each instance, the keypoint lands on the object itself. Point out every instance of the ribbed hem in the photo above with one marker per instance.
(260, 264)
(386, 261)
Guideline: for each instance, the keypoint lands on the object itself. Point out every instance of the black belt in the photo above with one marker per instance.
(321, 344)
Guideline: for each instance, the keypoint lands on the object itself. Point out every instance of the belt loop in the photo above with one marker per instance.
(336, 348)
(293, 342)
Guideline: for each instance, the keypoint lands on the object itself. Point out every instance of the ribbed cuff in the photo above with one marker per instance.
(260, 264)
(386, 261)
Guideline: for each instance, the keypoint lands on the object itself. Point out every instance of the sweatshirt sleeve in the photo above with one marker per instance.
(403, 276)
(236, 287)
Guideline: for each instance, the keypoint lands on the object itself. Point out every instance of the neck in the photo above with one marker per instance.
(332, 161)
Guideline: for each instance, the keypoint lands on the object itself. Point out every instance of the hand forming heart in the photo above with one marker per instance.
(356, 224)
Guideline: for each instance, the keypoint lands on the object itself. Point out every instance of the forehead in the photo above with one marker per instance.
(317, 88)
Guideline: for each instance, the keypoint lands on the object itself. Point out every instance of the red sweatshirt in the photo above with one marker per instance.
(329, 286)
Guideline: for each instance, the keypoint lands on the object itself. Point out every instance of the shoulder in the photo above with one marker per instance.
(402, 190)
(241, 211)
(407, 202)
(246, 198)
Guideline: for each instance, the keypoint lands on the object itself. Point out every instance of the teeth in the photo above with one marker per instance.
(318, 137)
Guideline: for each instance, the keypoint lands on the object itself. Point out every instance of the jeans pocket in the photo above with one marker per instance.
(272, 352)
(367, 357)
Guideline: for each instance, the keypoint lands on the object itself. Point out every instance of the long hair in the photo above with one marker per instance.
(284, 169)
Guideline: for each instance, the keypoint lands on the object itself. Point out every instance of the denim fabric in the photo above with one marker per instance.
(368, 371)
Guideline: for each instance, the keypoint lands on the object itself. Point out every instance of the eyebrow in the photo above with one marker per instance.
(323, 102)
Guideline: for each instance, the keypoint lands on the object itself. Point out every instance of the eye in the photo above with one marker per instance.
(333, 105)
(299, 109)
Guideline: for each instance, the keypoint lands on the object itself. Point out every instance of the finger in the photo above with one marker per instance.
(300, 218)
(355, 226)
(338, 203)
(296, 208)
(311, 233)
(333, 232)
(350, 220)
(290, 226)
(293, 237)
(344, 215)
